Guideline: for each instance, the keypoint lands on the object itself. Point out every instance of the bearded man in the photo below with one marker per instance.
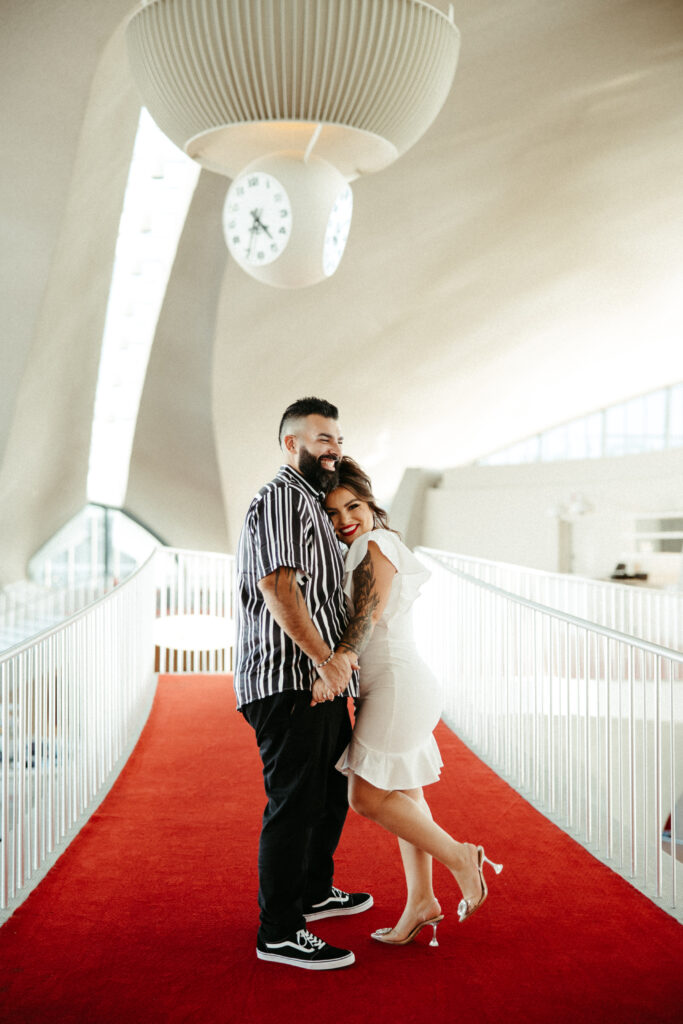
(291, 614)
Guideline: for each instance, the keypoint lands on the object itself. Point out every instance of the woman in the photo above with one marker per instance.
(393, 753)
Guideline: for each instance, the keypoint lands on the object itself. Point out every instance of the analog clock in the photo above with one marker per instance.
(257, 219)
(286, 218)
(337, 231)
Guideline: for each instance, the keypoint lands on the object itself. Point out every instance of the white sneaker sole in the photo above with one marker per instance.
(338, 911)
(313, 965)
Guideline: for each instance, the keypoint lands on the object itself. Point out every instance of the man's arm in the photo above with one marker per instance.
(285, 603)
(372, 579)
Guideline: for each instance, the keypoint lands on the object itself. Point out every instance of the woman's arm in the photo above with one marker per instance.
(371, 588)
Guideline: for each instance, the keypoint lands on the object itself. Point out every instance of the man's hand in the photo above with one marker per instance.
(284, 601)
(336, 675)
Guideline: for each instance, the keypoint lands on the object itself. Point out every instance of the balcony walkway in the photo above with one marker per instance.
(150, 914)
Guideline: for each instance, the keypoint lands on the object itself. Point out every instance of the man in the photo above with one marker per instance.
(291, 614)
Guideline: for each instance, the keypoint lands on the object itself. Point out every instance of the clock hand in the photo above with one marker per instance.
(256, 214)
(252, 237)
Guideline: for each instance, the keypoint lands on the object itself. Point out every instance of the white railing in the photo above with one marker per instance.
(581, 719)
(25, 613)
(72, 703)
(73, 700)
(645, 612)
(194, 629)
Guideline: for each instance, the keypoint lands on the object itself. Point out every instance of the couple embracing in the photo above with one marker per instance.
(307, 622)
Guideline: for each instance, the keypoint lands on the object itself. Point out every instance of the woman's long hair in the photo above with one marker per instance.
(354, 479)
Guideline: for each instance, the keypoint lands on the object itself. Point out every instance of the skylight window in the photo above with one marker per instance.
(161, 182)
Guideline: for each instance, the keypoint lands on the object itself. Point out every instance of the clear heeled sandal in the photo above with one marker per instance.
(467, 907)
(381, 934)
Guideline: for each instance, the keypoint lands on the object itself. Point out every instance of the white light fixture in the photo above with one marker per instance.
(232, 82)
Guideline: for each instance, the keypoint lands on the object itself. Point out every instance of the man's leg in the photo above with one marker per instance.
(296, 743)
(327, 826)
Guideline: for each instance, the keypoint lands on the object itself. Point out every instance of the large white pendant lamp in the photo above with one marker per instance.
(326, 90)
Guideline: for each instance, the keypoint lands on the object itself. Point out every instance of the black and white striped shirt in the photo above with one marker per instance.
(286, 526)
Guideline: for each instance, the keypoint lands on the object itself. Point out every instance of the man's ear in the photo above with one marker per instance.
(289, 443)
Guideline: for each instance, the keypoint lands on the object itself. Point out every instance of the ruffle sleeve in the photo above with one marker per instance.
(412, 571)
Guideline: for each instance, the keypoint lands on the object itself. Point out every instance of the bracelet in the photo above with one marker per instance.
(327, 660)
(349, 647)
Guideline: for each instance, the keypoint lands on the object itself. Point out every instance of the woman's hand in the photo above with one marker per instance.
(336, 674)
(320, 693)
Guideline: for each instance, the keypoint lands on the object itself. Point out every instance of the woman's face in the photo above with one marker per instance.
(351, 516)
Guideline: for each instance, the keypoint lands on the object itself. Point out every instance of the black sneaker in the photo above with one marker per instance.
(338, 904)
(304, 950)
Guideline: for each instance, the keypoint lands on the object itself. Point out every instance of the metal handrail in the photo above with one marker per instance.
(584, 720)
(560, 577)
(193, 583)
(45, 634)
(73, 701)
(558, 613)
(649, 613)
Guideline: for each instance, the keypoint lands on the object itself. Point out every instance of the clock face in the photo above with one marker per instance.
(337, 231)
(257, 219)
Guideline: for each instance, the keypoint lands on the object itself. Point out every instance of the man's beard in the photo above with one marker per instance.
(316, 475)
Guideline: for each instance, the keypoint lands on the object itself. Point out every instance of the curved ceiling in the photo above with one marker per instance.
(521, 265)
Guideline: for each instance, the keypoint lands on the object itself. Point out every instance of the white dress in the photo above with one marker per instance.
(400, 700)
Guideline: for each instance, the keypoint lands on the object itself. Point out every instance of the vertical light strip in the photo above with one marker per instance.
(161, 183)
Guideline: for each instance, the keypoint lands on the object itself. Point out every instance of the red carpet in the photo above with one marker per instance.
(150, 916)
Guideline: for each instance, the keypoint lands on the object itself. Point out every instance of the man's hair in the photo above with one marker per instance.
(306, 407)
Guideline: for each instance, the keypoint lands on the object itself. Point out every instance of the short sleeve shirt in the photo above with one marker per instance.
(286, 526)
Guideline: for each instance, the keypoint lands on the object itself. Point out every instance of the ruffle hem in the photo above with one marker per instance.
(408, 770)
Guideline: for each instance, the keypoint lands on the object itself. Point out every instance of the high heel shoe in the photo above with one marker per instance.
(381, 933)
(467, 907)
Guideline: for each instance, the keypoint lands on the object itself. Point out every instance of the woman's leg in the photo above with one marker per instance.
(398, 813)
(421, 903)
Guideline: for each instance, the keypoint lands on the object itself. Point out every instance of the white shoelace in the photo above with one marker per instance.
(305, 938)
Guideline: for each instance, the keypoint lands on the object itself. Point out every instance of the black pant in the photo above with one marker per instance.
(307, 804)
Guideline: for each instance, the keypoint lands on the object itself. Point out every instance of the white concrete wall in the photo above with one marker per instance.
(511, 513)
(174, 482)
(44, 470)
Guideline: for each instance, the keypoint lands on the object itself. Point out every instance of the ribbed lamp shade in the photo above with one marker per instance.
(231, 80)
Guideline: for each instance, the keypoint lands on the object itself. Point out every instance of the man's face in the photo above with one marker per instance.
(315, 449)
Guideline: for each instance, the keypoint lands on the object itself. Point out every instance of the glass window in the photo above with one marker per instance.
(676, 415)
(655, 413)
(634, 418)
(531, 449)
(491, 460)
(615, 430)
(577, 447)
(555, 444)
(648, 423)
(594, 430)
